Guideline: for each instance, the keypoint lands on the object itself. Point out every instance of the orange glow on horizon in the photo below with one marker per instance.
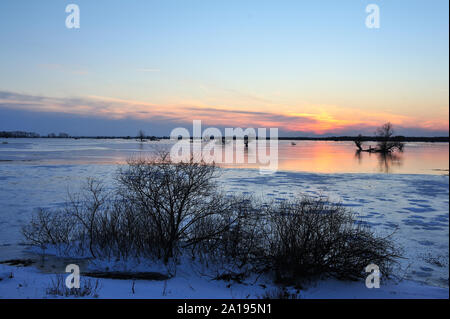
(324, 119)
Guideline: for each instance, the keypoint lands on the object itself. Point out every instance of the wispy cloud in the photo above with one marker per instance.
(326, 120)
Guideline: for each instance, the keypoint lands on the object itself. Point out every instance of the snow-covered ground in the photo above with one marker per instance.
(416, 207)
(415, 204)
(29, 282)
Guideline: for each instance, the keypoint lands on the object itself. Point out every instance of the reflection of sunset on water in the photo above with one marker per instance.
(341, 157)
(304, 156)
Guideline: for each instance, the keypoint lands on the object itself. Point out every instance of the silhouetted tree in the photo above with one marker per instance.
(384, 136)
(141, 135)
(358, 142)
(385, 144)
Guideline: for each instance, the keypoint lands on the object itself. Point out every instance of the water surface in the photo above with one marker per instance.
(304, 156)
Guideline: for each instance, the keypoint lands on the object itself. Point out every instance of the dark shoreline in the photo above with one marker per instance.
(437, 139)
(441, 139)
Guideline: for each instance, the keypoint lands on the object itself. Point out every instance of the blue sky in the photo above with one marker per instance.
(307, 67)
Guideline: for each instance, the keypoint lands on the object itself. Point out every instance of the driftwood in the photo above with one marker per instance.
(387, 149)
(371, 150)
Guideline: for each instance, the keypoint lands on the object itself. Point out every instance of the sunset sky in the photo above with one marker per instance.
(306, 67)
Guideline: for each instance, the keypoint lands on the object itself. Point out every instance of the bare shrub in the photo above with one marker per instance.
(48, 228)
(301, 239)
(161, 209)
(177, 203)
(240, 246)
(76, 227)
(312, 237)
(385, 143)
(157, 209)
(298, 240)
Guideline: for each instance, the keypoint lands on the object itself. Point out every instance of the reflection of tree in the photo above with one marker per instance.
(385, 161)
(358, 156)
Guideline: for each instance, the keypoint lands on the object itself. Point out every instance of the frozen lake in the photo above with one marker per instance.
(305, 156)
(412, 197)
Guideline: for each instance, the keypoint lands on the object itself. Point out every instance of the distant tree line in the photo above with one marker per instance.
(398, 138)
(21, 134)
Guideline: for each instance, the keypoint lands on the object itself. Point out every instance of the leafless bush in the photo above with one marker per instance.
(177, 203)
(312, 237)
(240, 246)
(385, 144)
(157, 209)
(49, 228)
(76, 227)
(161, 209)
(298, 240)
